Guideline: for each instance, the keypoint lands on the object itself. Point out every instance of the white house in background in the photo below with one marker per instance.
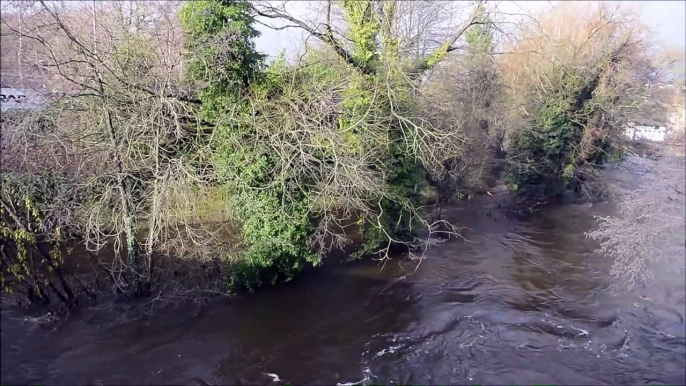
(651, 133)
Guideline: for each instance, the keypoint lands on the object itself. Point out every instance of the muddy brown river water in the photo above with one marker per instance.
(525, 301)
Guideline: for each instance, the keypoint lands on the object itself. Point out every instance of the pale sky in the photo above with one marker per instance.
(667, 18)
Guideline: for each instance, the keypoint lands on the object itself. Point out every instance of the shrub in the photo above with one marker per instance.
(569, 106)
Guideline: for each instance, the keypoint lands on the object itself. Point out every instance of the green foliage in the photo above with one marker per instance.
(479, 37)
(274, 230)
(539, 155)
(302, 151)
(575, 81)
(274, 227)
(295, 159)
(364, 28)
(558, 144)
(276, 238)
(437, 56)
(26, 219)
(220, 51)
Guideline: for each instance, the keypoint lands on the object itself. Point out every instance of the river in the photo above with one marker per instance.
(524, 300)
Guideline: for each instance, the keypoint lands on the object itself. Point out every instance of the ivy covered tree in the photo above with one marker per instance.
(229, 73)
(396, 106)
(567, 112)
(304, 149)
(220, 52)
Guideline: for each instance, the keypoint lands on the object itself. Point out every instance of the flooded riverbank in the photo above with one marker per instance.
(524, 299)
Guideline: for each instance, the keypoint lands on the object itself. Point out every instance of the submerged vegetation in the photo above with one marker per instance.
(172, 135)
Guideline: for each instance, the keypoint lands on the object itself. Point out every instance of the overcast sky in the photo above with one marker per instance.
(667, 18)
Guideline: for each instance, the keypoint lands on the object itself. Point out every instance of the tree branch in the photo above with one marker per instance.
(327, 37)
(447, 46)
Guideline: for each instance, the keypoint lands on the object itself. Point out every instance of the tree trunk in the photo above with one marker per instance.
(130, 236)
(124, 190)
(154, 214)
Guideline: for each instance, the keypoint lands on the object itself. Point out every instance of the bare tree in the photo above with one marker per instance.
(648, 226)
(128, 111)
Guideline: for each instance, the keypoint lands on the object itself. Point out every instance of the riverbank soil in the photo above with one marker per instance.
(521, 300)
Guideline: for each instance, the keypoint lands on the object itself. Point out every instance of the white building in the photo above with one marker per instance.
(651, 133)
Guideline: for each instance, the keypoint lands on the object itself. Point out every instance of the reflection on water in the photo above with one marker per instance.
(525, 301)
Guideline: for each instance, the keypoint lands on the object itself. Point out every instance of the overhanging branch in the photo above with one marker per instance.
(326, 37)
(448, 45)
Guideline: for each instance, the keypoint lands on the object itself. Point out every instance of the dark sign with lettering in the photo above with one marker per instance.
(7, 98)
